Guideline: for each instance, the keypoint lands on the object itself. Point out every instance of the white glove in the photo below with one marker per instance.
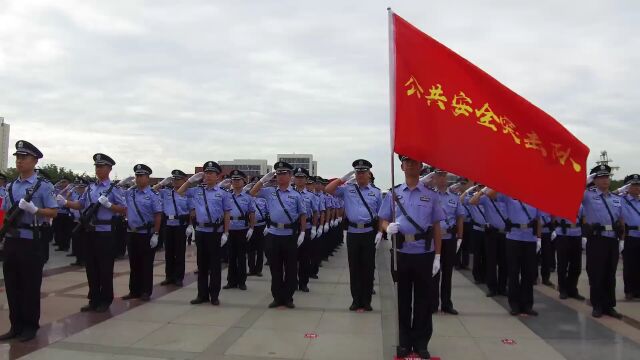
(225, 183)
(621, 246)
(189, 231)
(224, 239)
(166, 181)
(486, 190)
(590, 178)
(333, 223)
(301, 238)
(266, 231)
(378, 239)
(436, 265)
(427, 178)
(319, 233)
(66, 189)
(458, 243)
(393, 228)
(314, 232)
(326, 227)
(61, 201)
(622, 190)
(584, 243)
(538, 245)
(196, 178)
(351, 181)
(554, 235)
(348, 176)
(249, 234)
(154, 241)
(27, 206)
(268, 177)
(248, 187)
(105, 201)
(339, 220)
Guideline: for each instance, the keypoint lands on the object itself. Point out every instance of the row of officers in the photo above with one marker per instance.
(434, 227)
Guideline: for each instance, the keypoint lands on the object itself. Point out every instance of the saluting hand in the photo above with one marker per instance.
(348, 176)
(166, 181)
(196, 178)
(268, 177)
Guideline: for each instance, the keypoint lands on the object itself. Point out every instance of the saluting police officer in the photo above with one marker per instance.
(417, 225)
(62, 223)
(477, 236)
(547, 251)
(243, 220)
(34, 199)
(255, 256)
(631, 246)
(176, 209)
(78, 238)
(311, 206)
(144, 210)
(104, 196)
(286, 232)
(313, 186)
(362, 202)
(212, 207)
(603, 227)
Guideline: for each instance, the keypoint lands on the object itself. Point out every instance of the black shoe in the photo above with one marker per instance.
(492, 294)
(613, 313)
(71, 255)
(27, 335)
(102, 308)
(145, 297)
(530, 312)
(424, 354)
(451, 311)
(259, 274)
(228, 286)
(564, 296)
(178, 283)
(197, 301)
(304, 289)
(514, 312)
(628, 297)
(578, 297)
(75, 263)
(402, 352)
(87, 308)
(290, 305)
(215, 302)
(367, 308)
(502, 293)
(548, 283)
(596, 313)
(353, 307)
(313, 277)
(166, 282)
(251, 273)
(62, 249)
(373, 291)
(242, 287)
(130, 297)
(274, 304)
(9, 335)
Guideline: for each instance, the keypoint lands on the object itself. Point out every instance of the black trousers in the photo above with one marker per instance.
(496, 275)
(78, 244)
(46, 236)
(631, 266)
(283, 263)
(237, 245)
(62, 227)
(99, 267)
(304, 260)
(255, 254)
(414, 291)
(569, 250)
(547, 256)
(602, 261)
(174, 253)
(462, 257)
(441, 293)
(317, 245)
(22, 268)
(479, 269)
(119, 227)
(522, 262)
(361, 252)
(141, 257)
(209, 268)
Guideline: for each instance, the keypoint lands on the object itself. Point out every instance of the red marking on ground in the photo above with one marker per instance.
(508, 341)
(414, 357)
(360, 311)
(311, 336)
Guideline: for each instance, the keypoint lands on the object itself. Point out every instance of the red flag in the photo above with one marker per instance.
(449, 113)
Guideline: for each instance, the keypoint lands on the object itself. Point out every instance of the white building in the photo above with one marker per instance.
(251, 167)
(301, 160)
(4, 144)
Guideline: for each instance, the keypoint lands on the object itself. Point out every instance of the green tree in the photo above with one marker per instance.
(54, 171)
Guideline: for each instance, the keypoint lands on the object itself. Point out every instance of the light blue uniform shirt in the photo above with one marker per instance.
(262, 212)
(292, 201)
(247, 205)
(490, 212)
(91, 195)
(451, 208)
(310, 205)
(595, 211)
(75, 196)
(355, 209)
(43, 199)
(630, 209)
(422, 205)
(477, 213)
(321, 201)
(517, 215)
(217, 201)
(174, 205)
(148, 203)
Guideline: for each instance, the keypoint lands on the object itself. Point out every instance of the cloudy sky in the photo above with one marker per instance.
(175, 83)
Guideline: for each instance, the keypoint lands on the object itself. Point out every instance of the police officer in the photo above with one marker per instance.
(567, 238)
(105, 199)
(33, 200)
(603, 227)
(417, 226)
(361, 204)
(212, 207)
(631, 246)
(522, 244)
(144, 210)
(477, 237)
(286, 232)
(243, 220)
(176, 210)
(462, 257)
(314, 186)
(452, 231)
(62, 223)
(78, 238)
(547, 251)
(255, 254)
(311, 228)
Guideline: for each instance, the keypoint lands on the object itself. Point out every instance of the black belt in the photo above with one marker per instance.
(362, 226)
(238, 218)
(281, 226)
(413, 237)
(210, 225)
(147, 226)
(633, 227)
(101, 222)
(521, 226)
(491, 228)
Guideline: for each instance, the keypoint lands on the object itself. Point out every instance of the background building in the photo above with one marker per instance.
(300, 160)
(251, 167)
(4, 144)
